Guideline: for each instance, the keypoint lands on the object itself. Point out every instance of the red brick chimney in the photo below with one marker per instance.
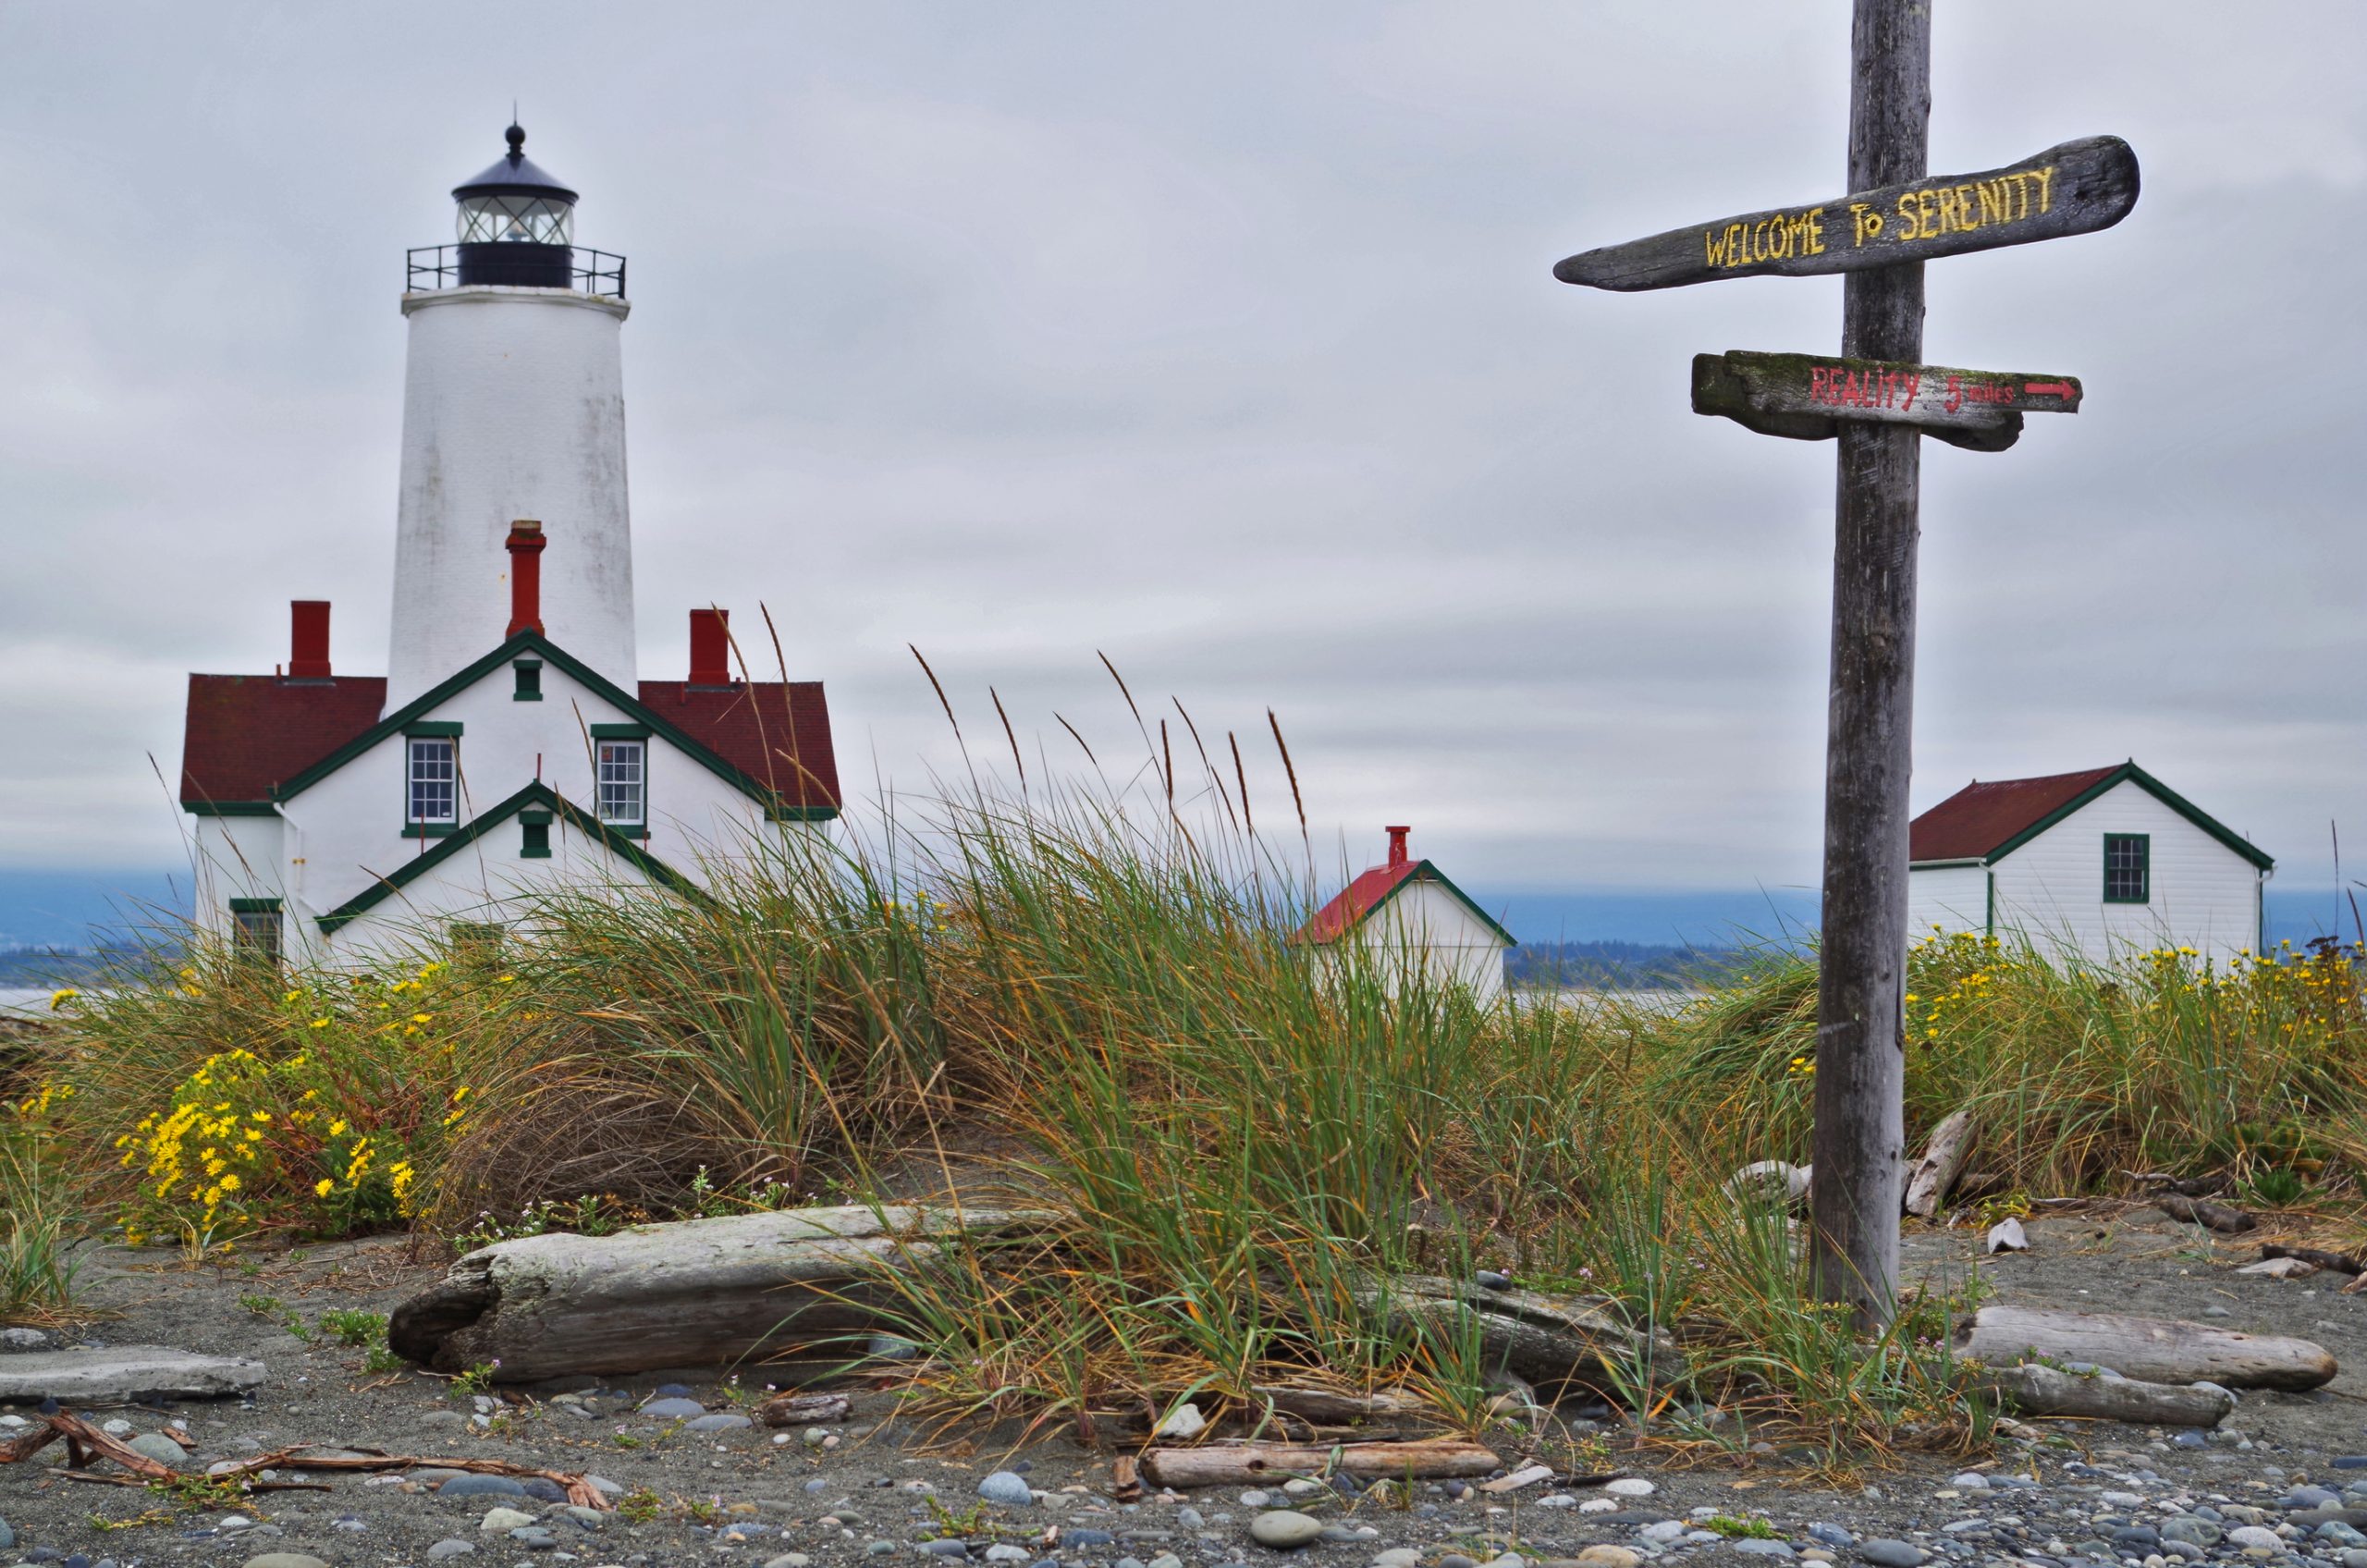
(525, 547)
(1397, 844)
(710, 647)
(308, 638)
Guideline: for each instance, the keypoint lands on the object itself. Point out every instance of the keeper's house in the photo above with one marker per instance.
(2091, 865)
(512, 741)
(1404, 913)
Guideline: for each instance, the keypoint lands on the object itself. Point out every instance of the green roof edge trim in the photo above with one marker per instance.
(230, 808)
(1425, 872)
(2129, 773)
(534, 794)
(600, 686)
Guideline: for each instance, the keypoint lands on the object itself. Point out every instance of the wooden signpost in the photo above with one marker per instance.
(1876, 401)
(1805, 397)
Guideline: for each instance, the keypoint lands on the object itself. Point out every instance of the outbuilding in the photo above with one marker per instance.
(2092, 865)
(1405, 913)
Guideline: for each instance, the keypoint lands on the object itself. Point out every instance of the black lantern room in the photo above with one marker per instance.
(516, 223)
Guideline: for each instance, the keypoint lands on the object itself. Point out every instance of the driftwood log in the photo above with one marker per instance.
(1326, 1407)
(1942, 1161)
(1231, 1464)
(695, 1293)
(2151, 1350)
(2203, 1211)
(2340, 1262)
(2044, 1391)
(1556, 1342)
(803, 1409)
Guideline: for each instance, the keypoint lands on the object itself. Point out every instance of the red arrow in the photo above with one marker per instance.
(2062, 389)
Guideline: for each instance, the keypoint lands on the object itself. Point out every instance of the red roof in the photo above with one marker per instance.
(1356, 902)
(247, 732)
(1977, 820)
(778, 734)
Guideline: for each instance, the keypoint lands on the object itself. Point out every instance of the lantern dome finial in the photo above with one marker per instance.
(516, 222)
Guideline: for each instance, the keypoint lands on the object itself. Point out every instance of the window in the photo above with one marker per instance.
(623, 800)
(2129, 868)
(529, 680)
(435, 780)
(534, 835)
(254, 931)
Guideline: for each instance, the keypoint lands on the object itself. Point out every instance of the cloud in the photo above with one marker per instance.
(1221, 340)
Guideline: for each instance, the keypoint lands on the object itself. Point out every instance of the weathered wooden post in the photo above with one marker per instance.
(1879, 402)
(1859, 1145)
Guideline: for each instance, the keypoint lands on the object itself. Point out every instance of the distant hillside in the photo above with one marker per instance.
(1618, 966)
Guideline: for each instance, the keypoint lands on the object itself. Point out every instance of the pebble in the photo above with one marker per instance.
(1753, 1546)
(1892, 1554)
(2312, 1496)
(499, 1520)
(798, 1560)
(534, 1537)
(454, 1547)
(674, 1409)
(1456, 1559)
(7, 1536)
(1253, 1499)
(2193, 1531)
(1665, 1531)
(1630, 1486)
(946, 1547)
(284, 1559)
(2342, 1535)
(1184, 1421)
(718, 1423)
(1607, 1557)
(2256, 1535)
(2349, 1462)
(1832, 1535)
(880, 1548)
(1189, 1519)
(1003, 1551)
(24, 1339)
(1397, 1557)
(1299, 1485)
(1596, 1505)
(1008, 1488)
(1970, 1481)
(480, 1486)
(1282, 1529)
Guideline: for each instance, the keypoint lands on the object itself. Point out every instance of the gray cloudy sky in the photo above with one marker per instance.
(1219, 337)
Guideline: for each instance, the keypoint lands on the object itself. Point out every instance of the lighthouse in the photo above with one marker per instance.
(513, 406)
(512, 743)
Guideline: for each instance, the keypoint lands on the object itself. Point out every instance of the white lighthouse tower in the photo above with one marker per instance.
(513, 406)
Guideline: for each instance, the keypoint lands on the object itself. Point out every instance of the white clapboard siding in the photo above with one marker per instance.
(1951, 898)
(1423, 922)
(2205, 895)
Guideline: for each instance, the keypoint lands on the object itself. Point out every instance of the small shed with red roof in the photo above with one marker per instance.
(2092, 865)
(1407, 912)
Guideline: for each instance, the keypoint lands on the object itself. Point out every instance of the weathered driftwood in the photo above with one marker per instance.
(123, 1374)
(696, 1292)
(1228, 1465)
(803, 1409)
(2340, 1262)
(1550, 1341)
(84, 1441)
(1330, 1408)
(2203, 1211)
(1944, 1158)
(2152, 1349)
(2045, 1391)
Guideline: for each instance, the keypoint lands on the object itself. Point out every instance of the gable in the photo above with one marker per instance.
(1986, 822)
(791, 786)
(1371, 890)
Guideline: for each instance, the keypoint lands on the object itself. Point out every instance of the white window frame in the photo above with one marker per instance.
(630, 758)
(415, 750)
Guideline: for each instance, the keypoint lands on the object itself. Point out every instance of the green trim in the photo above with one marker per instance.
(533, 835)
(529, 680)
(1989, 916)
(430, 829)
(1945, 864)
(535, 816)
(2129, 773)
(230, 808)
(2144, 869)
(598, 684)
(1425, 872)
(432, 729)
(618, 732)
(535, 794)
(255, 906)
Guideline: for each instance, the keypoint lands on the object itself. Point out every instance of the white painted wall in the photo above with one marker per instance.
(1953, 898)
(1425, 923)
(2205, 895)
(513, 406)
(341, 836)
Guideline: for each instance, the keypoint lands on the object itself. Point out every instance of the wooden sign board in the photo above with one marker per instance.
(2074, 189)
(1805, 397)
